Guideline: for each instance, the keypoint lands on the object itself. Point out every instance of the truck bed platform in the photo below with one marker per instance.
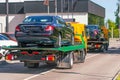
(63, 49)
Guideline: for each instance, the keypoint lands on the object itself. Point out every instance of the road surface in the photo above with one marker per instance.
(98, 66)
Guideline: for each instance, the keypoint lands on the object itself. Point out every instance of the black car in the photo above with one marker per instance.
(44, 31)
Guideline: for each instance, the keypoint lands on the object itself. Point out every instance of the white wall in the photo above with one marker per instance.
(14, 20)
(2, 23)
(79, 17)
(3, 1)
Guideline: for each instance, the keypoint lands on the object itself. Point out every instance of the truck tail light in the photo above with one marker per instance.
(17, 28)
(49, 28)
(97, 45)
(9, 57)
(50, 58)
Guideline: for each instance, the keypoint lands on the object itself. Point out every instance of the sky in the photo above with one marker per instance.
(110, 7)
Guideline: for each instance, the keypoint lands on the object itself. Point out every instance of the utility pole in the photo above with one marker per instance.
(46, 2)
(55, 7)
(62, 8)
(7, 16)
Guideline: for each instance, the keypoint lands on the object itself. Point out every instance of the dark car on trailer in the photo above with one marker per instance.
(44, 31)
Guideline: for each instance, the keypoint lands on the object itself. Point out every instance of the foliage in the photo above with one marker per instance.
(117, 12)
(117, 19)
(112, 25)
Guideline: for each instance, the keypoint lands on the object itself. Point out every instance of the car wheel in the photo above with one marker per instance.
(58, 41)
(21, 44)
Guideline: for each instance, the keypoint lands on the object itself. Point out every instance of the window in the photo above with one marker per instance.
(38, 19)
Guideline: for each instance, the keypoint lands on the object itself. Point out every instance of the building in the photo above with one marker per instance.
(83, 11)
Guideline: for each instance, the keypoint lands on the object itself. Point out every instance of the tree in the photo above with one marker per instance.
(117, 20)
(112, 28)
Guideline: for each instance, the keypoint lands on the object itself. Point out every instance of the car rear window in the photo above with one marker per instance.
(38, 19)
(92, 27)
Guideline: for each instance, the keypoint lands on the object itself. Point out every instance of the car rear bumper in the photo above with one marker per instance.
(36, 40)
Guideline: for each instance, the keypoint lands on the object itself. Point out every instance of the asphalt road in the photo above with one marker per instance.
(98, 66)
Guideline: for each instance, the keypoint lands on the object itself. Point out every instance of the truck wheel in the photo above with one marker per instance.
(103, 48)
(106, 47)
(82, 56)
(58, 42)
(31, 65)
(70, 62)
(66, 61)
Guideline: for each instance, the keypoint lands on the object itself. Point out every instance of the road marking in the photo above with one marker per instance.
(92, 56)
(36, 75)
(31, 77)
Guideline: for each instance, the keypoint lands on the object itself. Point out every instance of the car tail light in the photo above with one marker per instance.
(35, 52)
(50, 58)
(49, 28)
(24, 52)
(17, 28)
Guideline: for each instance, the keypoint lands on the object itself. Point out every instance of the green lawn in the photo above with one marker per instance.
(118, 78)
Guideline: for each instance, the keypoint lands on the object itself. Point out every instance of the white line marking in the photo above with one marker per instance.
(31, 77)
(92, 56)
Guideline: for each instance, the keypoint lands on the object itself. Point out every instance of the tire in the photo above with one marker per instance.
(70, 63)
(103, 48)
(106, 47)
(66, 61)
(21, 44)
(82, 56)
(58, 41)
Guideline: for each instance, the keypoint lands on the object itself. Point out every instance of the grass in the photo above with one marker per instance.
(118, 78)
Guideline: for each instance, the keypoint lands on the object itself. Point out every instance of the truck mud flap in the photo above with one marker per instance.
(66, 62)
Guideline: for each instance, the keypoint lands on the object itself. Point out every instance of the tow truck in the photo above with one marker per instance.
(62, 57)
(98, 38)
